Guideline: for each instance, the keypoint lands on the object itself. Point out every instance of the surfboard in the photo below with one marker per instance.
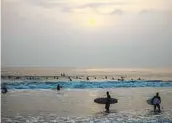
(103, 100)
(149, 101)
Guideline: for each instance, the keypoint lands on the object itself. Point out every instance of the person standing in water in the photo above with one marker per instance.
(58, 87)
(4, 88)
(107, 105)
(156, 100)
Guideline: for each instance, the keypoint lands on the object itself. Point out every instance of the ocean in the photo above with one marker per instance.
(35, 99)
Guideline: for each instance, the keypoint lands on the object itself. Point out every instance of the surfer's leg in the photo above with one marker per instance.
(159, 109)
(154, 108)
(107, 108)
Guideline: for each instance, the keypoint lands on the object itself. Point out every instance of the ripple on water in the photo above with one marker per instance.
(120, 117)
(85, 84)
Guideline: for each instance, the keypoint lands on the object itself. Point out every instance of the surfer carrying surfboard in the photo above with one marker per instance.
(156, 100)
(107, 105)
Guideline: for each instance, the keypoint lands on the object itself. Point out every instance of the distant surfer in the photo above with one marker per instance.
(107, 105)
(58, 87)
(4, 89)
(87, 78)
(156, 100)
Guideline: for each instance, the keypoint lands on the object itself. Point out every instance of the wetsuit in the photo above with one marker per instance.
(156, 100)
(4, 90)
(58, 87)
(107, 103)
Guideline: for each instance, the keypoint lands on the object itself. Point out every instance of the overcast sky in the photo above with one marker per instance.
(87, 33)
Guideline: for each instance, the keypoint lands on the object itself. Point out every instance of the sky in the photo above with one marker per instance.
(86, 33)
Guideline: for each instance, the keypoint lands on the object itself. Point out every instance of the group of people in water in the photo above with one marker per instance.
(156, 100)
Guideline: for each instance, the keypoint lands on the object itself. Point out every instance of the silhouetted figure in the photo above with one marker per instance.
(105, 77)
(156, 100)
(112, 78)
(122, 78)
(87, 78)
(69, 78)
(94, 77)
(107, 102)
(58, 87)
(17, 77)
(4, 89)
(56, 77)
(139, 79)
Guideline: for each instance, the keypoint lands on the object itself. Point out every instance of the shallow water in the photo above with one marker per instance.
(77, 106)
(119, 117)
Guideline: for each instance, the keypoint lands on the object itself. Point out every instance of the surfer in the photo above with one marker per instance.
(156, 100)
(4, 88)
(87, 78)
(58, 87)
(107, 105)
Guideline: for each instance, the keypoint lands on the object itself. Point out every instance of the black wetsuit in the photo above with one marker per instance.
(4, 90)
(157, 105)
(107, 103)
(58, 87)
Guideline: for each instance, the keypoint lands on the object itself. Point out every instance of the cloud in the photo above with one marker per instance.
(100, 8)
(117, 11)
(145, 11)
(103, 7)
(47, 3)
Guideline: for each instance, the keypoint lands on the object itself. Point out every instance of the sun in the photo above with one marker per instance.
(92, 22)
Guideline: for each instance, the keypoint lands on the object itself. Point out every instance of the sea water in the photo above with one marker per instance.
(36, 84)
(34, 101)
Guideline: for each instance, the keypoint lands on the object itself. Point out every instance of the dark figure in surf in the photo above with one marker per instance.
(156, 100)
(4, 89)
(69, 78)
(107, 105)
(58, 87)
(87, 78)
